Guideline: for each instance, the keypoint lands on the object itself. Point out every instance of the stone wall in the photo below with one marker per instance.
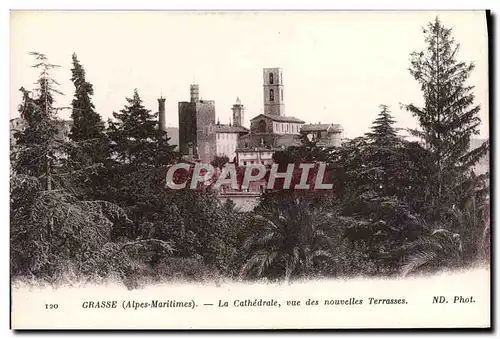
(187, 126)
(205, 127)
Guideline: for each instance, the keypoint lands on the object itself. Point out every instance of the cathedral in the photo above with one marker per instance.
(202, 138)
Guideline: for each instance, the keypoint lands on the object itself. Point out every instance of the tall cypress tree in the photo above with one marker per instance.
(87, 123)
(37, 146)
(37, 142)
(449, 117)
(87, 129)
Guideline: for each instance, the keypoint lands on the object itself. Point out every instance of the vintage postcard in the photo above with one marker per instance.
(249, 170)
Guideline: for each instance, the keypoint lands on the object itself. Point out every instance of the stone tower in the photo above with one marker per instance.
(197, 135)
(238, 113)
(162, 124)
(195, 93)
(273, 91)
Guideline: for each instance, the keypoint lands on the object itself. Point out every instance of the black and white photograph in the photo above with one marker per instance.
(250, 169)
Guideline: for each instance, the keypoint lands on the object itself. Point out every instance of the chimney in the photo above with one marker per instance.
(195, 93)
(161, 114)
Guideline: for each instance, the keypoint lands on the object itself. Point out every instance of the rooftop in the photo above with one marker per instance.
(253, 149)
(219, 128)
(287, 140)
(279, 118)
(321, 127)
(275, 142)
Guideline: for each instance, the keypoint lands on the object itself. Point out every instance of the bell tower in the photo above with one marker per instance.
(273, 91)
(238, 113)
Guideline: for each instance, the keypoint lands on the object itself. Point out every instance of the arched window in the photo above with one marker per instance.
(271, 94)
(271, 78)
(262, 126)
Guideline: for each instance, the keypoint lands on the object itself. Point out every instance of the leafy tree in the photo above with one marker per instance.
(377, 179)
(208, 227)
(436, 250)
(383, 132)
(382, 158)
(135, 174)
(449, 118)
(137, 139)
(51, 230)
(394, 166)
(368, 166)
(220, 162)
(37, 143)
(471, 220)
(78, 229)
(87, 123)
(87, 128)
(88, 146)
(307, 151)
(293, 242)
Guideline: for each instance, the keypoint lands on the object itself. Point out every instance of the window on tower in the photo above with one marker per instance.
(271, 78)
(271, 94)
(282, 94)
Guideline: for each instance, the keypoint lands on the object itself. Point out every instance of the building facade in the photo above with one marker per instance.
(227, 140)
(325, 135)
(274, 103)
(275, 124)
(258, 155)
(197, 127)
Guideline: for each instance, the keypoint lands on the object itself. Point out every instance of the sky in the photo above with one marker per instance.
(338, 67)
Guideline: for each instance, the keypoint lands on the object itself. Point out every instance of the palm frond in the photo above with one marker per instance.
(322, 253)
(417, 260)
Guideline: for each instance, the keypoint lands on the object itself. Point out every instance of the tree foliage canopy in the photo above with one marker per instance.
(97, 205)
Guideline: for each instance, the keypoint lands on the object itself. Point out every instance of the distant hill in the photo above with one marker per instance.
(483, 165)
(173, 134)
(17, 124)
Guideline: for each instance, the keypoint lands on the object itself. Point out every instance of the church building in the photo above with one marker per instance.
(272, 130)
(201, 138)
